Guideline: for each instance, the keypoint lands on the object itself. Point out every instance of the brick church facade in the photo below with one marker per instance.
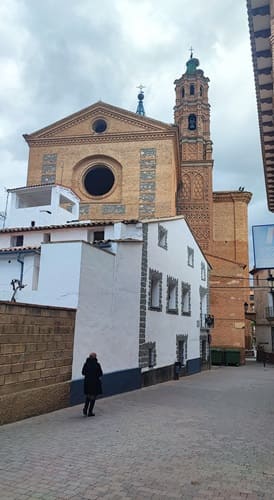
(125, 166)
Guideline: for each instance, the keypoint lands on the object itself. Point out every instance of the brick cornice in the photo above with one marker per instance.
(99, 139)
(219, 197)
(99, 110)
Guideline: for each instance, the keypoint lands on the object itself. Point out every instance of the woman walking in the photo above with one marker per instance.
(92, 372)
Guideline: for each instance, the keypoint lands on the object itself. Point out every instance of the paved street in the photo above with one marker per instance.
(207, 436)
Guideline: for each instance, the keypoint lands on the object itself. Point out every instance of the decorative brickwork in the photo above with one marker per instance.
(36, 345)
(143, 300)
(113, 209)
(48, 175)
(147, 182)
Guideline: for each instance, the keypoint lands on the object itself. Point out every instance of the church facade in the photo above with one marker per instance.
(125, 166)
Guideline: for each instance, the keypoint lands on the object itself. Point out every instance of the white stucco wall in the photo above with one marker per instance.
(22, 217)
(58, 279)
(162, 327)
(107, 319)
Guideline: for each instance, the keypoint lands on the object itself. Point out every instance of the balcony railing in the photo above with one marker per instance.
(269, 313)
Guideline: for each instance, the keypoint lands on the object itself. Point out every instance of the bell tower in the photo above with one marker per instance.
(192, 116)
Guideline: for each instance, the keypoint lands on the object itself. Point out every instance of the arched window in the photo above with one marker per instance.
(192, 122)
(192, 89)
(183, 91)
(201, 91)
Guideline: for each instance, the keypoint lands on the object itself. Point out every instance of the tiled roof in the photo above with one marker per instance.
(66, 226)
(20, 249)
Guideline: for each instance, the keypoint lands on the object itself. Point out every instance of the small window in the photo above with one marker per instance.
(155, 290)
(98, 235)
(162, 237)
(32, 223)
(192, 122)
(183, 92)
(46, 237)
(190, 257)
(192, 89)
(172, 295)
(203, 271)
(186, 299)
(17, 241)
(201, 91)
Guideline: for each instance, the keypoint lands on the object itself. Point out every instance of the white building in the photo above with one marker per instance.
(140, 288)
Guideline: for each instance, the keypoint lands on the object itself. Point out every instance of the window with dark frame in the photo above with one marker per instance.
(186, 299)
(190, 257)
(162, 237)
(172, 295)
(17, 241)
(155, 290)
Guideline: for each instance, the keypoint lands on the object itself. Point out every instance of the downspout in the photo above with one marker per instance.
(22, 269)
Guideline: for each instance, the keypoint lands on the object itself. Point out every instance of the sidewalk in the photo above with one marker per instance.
(208, 436)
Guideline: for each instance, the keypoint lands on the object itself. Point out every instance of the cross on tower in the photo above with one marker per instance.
(191, 52)
(141, 87)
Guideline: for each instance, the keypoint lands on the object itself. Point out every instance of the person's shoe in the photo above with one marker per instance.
(91, 414)
(85, 412)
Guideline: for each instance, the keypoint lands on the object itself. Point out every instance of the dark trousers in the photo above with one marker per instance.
(89, 404)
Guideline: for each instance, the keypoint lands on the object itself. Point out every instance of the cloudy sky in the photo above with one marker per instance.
(59, 56)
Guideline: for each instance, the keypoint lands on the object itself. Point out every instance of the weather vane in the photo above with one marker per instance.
(191, 52)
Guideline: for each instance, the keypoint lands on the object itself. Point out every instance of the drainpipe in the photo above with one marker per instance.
(22, 269)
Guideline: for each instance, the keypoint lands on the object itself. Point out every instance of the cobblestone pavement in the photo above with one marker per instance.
(208, 436)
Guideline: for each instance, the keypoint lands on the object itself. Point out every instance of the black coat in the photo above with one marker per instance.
(92, 372)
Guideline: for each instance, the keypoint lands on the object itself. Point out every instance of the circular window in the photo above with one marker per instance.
(99, 180)
(99, 126)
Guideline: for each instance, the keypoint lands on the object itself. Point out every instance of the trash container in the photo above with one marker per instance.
(232, 357)
(217, 356)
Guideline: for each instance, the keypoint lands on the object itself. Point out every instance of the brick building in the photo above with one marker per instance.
(126, 165)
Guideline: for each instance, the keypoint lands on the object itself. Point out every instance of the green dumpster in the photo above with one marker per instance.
(217, 356)
(232, 357)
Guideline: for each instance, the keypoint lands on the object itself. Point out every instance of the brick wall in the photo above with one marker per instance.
(36, 345)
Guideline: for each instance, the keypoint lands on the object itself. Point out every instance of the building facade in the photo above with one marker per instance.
(124, 165)
(140, 288)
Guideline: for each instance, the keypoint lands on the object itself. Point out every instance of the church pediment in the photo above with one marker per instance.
(100, 119)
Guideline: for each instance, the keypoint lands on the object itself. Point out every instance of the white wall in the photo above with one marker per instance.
(163, 327)
(59, 274)
(107, 319)
(22, 217)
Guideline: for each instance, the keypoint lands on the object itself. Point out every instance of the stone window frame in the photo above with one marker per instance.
(174, 283)
(190, 257)
(186, 289)
(203, 271)
(149, 355)
(159, 277)
(181, 338)
(204, 338)
(162, 237)
(203, 310)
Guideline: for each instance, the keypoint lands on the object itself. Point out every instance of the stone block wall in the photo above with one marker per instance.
(36, 346)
